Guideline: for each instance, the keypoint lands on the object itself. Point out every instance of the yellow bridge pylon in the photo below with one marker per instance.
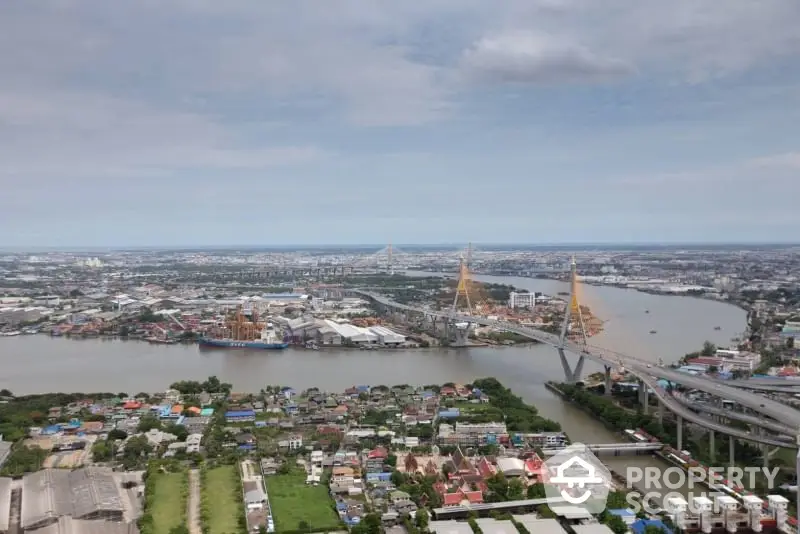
(462, 288)
(573, 312)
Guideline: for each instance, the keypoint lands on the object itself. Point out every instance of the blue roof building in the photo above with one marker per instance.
(240, 415)
(638, 527)
(628, 516)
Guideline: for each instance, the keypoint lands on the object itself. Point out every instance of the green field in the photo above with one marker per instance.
(292, 501)
(169, 505)
(222, 491)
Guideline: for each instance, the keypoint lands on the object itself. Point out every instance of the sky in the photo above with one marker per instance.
(200, 122)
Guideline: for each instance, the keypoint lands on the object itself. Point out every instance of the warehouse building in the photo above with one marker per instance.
(348, 333)
(90, 493)
(5, 504)
(386, 336)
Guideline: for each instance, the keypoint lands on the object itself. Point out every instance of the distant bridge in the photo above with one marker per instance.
(612, 449)
(645, 371)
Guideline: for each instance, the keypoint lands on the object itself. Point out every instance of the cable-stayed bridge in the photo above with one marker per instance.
(769, 416)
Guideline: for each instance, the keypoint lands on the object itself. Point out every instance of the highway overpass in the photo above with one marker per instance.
(645, 371)
(705, 407)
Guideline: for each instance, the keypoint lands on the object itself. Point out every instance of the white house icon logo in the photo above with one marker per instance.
(576, 481)
(576, 477)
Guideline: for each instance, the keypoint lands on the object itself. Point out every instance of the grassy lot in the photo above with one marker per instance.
(169, 504)
(470, 407)
(222, 493)
(292, 501)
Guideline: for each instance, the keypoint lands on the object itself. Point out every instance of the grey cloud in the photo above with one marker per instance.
(525, 57)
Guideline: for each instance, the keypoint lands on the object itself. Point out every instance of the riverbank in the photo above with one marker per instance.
(699, 295)
(625, 436)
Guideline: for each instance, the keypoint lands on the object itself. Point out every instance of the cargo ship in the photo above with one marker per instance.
(244, 330)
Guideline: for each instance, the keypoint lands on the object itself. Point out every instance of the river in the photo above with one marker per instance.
(35, 364)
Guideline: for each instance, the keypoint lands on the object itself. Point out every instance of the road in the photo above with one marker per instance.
(641, 369)
(193, 512)
(731, 414)
(688, 415)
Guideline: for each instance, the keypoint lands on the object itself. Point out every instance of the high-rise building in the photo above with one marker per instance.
(521, 300)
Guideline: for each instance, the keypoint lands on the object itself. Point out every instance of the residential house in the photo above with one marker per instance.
(343, 476)
(238, 416)
(193, 443)
(295, 442)
(156, 437)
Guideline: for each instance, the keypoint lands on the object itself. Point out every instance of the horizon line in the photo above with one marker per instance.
(379, 246)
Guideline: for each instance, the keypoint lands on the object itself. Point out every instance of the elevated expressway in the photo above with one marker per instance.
(644, 371)
(752, 420)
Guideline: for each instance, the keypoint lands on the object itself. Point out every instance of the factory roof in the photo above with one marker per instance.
(51, 493)
(449, 527)
(349, 331)
(68, 525)
(5, 503)
(592, 528)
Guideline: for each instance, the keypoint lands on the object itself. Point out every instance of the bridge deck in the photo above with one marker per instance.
(643, 370)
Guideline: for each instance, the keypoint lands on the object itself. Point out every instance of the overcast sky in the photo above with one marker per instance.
(201, 122)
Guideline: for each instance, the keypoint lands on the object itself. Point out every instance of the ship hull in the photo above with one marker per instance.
(234, 344)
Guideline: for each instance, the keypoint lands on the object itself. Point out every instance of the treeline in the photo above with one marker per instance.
(20, 413)
(210, 385)
(155, 470)
(519, 417)
(616, 416)
(620, 418)
(23, 460)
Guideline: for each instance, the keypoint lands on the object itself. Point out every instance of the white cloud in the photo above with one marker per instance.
(528, 57)
(93, 88)
(773, 171)
(95, 136)
(787, 161)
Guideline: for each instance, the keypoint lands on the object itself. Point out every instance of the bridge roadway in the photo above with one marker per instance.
(671, 404)
(612, 448)
(773, 385)
(774, 426)
(643, 370)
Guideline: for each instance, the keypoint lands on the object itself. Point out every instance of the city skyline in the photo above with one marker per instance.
(538, 121)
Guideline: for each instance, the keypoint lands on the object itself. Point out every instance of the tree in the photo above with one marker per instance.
(117, 434)
(101, 451)
(617, 525)
(179, 431)
(709, 349)
(179, 529)
(653, 529)
(370, 524)
(536, 491)
(148, 422)
(136, 447)
(397, 478)
(303, 526)
(422, 519)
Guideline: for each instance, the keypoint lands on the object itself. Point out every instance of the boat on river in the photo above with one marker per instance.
(244, 330)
